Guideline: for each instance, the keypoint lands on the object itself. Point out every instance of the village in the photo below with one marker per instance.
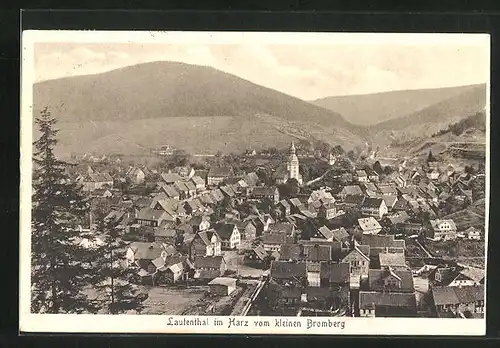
(290, 233)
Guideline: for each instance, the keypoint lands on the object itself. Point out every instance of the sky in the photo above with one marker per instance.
(305, 71)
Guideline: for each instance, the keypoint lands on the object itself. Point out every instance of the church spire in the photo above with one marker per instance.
(292, 148)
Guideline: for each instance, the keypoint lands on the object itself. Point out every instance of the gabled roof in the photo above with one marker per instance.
(353, 190)
(335, 272)
(197, 180)
(376, 277)
(340, 234)
(372, 203)
(223, 172)
(228, 190)
(149, 214)
(387, 189)
(382, 241)
(369, 224)
(281, 228)
(325, 232)
(260, 252)
(190, 185)
(225, 231)
(274, 238)
(390, 200)
(225, 281)
(398, 218)
(392, 259)
(208, 262)
(476, 274)
(146, 251)
(296, 202)
(285, 204)
(170, 178)
(435, 223)
(371, 299)
(318, 252)
(291, 252)
(287, 270)
(361, 173)
(354, 199)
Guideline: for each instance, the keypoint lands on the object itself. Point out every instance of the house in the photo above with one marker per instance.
(285, 272)
(171, 269)
(247, 229)
(152, 217)
(387, 190)
(209, 267)
(361, 176)
(358, 259)
(350, 190)
(383, 243)
(205, 243)
(191, 188)
(321, 195)
(136, 175)
(257, 254)
(336, 278)
(327, 211)
(199, 223)
(229, 234)
(184, 172)
(466, 301)
(270, 193)
(369, 225)
(322, 234)
(94, 181)
(181, 187)
(222, 286)
(375, 207)
(165, 235)
(389, 293)
(442, 229)
(169, 191)
(142, 251)
(468, 276)
(273, 241)
(401, 181)
(170, 178)
(262, 223)
(373, 176)
(390, 201)
(216, 175)
(199, 183)
(284, 207)
(472, 233)
(341, 235)
(394, 261)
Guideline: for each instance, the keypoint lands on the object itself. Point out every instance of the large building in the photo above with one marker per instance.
(293, 166)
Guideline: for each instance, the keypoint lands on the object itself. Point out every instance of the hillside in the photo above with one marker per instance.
(370, 109)
(432, 119)
(197, 108)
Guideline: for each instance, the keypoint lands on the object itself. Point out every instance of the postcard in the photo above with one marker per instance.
(254, 183)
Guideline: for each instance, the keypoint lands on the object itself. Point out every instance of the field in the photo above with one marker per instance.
(472, 216)
(172, 301)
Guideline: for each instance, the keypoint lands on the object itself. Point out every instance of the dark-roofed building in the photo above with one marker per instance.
(217, 175)
(205, 243)
(358, 260)
(165, 235)
(458, 300)
(389, 293)
(383, 243)
(322, 234)
(257, 254)
(273, 241)
(198, 182)
(283, 272)
(396, 261)
(375, 207)
(209, 267)
(350, 190)
(170, 178)
(270, 193)
(229, 234)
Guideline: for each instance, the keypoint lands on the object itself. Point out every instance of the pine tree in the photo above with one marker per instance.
(116, 292)
(59, 267)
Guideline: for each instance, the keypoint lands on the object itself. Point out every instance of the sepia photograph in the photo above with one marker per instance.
(256, 183)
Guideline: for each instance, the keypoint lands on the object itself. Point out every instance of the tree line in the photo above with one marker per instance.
(66, 260)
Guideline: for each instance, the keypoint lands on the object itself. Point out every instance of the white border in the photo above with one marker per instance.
(158, 324)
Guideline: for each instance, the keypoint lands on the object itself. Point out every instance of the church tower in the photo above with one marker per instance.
(293, 165)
